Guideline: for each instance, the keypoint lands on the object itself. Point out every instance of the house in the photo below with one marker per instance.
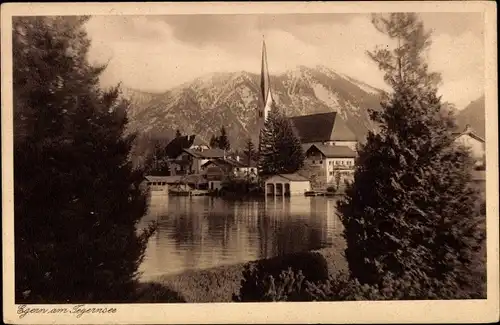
(157, 184)
(479, 181)
(189, 161)
(331, 164)
(175, 147)
(199, 144)
(324, 129)
(218, 170)
(287, 185)
(470, 139)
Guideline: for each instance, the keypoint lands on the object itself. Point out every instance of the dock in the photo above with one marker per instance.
(174, 192)
(319, 193)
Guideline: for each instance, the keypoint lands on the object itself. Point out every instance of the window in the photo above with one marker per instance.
(331, 173)
(260, 114)
(237, 169)
(314, 161)
(337, 162)
(320, 162)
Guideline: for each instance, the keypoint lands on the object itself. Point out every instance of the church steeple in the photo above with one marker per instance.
(266, 97)
(265, 81)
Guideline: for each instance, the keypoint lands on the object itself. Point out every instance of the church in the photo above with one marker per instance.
(328, 143)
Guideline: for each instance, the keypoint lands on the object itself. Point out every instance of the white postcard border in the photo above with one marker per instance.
(458, 311)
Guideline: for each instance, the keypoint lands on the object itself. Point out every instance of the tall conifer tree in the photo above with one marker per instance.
(77, 198)
(249, 152)
(223, 140)
(411, 211)
(280, 148)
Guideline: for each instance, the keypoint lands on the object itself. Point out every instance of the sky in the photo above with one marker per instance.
(155, 53)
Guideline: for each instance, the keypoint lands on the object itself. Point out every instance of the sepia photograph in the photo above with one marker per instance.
(193, 158)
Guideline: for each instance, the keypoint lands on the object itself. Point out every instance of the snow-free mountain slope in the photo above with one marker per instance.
(202, 106)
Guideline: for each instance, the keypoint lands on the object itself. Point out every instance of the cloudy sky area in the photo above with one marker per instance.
(155, 53)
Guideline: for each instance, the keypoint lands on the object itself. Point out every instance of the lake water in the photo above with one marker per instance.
(203, 232)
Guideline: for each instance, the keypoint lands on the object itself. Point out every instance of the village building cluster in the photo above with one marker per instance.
(327, 141)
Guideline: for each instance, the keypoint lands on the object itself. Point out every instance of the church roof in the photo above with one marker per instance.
(322, 127)
(334, 151)
(174, 148)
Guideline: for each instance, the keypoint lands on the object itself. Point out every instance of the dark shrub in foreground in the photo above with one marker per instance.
(262, 278)
(292, 286)
(156, 293)
(78, 199)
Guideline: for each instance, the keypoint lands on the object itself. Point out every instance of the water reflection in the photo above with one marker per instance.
(202, 232)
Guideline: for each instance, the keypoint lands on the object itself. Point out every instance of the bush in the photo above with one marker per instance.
(288, 286)
(293, 286)
(331, 189)
(260, 277)
(156, 293)
(210, 285)
(406, 287)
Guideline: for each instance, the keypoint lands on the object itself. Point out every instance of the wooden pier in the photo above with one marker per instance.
(176, 192)
(319, 193)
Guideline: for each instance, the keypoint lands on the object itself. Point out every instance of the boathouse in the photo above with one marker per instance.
(287, 185)
(157, 184)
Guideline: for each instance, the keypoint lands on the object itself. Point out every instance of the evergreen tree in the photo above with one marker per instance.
(280, 148)
(249, 151)
(411, 211)
(77, 198)
(223, 140)
(214, 142)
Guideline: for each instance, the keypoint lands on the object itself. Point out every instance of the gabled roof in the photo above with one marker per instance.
(470, 132)
(207, 153)
(167, 179)
(174, 148)
(228, 162)
(334, 151)
(295, 177)
(322, 127)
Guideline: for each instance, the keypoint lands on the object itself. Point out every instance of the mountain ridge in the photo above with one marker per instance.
(230, 99)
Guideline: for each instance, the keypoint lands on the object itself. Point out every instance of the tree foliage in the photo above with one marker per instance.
(280, 148)
(221, 141)
(77, 197)
(412, 208)
(250, 152)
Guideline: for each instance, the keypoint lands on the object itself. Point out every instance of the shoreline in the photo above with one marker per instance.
(219, 283)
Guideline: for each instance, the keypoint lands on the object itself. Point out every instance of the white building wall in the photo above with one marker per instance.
(214, 185)
(476, 146)
(299, 188)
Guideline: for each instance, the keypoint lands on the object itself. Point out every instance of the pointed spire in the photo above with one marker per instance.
(265, 81)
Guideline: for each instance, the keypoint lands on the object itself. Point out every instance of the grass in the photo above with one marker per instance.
(220, 283)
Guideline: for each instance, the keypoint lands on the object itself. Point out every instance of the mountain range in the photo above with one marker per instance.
(205, 104)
